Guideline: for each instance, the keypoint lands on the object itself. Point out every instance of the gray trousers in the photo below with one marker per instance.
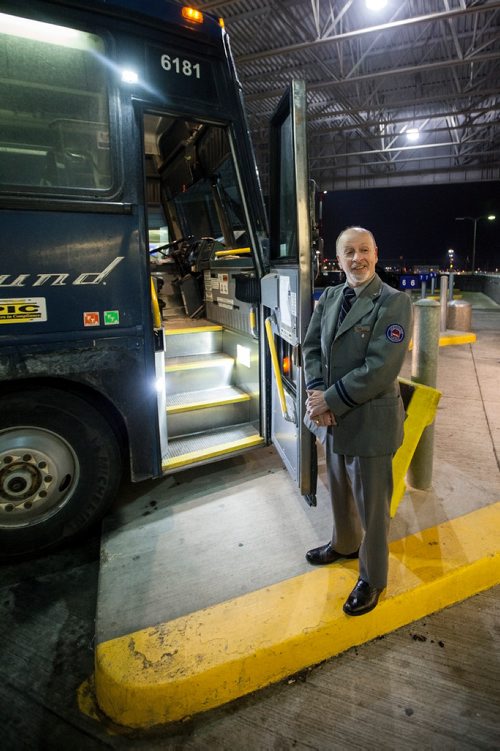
(361, 491)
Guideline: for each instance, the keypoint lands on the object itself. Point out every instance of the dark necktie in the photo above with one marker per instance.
(348, 297)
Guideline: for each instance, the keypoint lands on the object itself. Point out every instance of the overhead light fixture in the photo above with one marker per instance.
(491, 217)
(375, 4)
(412, 134)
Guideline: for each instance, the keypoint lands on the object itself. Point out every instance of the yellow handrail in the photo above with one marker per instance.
(155, 306)
(276, 367)
(233, 252)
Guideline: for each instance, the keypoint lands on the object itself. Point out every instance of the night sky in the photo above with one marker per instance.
(418, 222)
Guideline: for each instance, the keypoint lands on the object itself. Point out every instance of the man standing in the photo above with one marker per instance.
(353, 351)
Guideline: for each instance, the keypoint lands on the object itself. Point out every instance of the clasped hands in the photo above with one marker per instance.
(317, 408)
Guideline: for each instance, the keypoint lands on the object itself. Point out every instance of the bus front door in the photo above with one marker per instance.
(287, 289)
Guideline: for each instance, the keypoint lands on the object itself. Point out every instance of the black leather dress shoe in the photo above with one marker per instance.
(326, 554)
(362, 599)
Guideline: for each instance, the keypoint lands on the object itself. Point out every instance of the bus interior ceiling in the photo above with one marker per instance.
(208, 296)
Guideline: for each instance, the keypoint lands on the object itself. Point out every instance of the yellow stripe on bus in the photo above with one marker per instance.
(177, 409)
(192, 330)
(195, 364)
(185, 460)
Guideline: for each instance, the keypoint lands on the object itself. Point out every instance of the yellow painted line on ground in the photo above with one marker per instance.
(464, 337)
(209, 453)
(207, 658)
(192, 330)
(178, 409)
(454, 337)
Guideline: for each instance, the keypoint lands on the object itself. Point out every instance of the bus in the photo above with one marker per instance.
(151, 308)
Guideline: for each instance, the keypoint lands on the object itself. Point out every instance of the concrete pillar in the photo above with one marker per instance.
(443, 298)
(460, 315)
(423, 293)
(424, 370)
(433, 285)
(451, 281)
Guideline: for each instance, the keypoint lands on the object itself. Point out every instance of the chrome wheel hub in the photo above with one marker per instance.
(38, 473)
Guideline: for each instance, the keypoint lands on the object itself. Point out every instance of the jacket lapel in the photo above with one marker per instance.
(363, 305)
(331, 315)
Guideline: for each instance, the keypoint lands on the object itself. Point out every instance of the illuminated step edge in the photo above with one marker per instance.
(209, 452)
(192, 330)
(207, 658)
(194, 363)
(188, 402)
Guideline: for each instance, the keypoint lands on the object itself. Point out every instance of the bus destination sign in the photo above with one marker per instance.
(181, 74)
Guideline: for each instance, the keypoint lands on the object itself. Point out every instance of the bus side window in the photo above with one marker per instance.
(54, 112)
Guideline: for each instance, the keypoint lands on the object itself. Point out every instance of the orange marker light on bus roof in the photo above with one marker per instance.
(191, 14)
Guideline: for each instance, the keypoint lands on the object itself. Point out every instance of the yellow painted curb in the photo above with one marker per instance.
(210, 657)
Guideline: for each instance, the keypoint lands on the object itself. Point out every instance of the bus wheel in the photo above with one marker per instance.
(60, 467)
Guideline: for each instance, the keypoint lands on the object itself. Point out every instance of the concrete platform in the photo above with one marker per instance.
(217, 554)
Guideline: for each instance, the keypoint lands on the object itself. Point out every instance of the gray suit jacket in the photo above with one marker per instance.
(357, 366)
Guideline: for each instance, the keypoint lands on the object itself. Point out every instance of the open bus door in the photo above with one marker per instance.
(287, 289)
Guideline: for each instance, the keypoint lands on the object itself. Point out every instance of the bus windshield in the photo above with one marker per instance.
(194, 166)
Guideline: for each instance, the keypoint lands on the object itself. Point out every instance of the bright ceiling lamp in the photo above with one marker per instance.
(412, 134)
(375, 4)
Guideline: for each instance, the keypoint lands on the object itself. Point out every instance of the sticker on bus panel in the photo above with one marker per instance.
(23, 310)
(111, 317)
(91, 318)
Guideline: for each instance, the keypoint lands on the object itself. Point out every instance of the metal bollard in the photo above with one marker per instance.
(424, 370)
(423, 293)
(443, 295)
(433, 285)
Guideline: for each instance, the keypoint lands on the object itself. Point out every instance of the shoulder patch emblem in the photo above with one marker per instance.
(395, 333)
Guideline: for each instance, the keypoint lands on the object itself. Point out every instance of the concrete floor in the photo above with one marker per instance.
(433, 684)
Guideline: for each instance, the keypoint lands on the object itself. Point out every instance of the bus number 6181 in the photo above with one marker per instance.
(184, 67)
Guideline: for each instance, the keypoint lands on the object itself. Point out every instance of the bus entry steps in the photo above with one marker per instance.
(204, 447)
(209, 413)
(198, 372)
(193, 340)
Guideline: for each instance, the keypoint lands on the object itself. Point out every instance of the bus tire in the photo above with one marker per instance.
(60, 468)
